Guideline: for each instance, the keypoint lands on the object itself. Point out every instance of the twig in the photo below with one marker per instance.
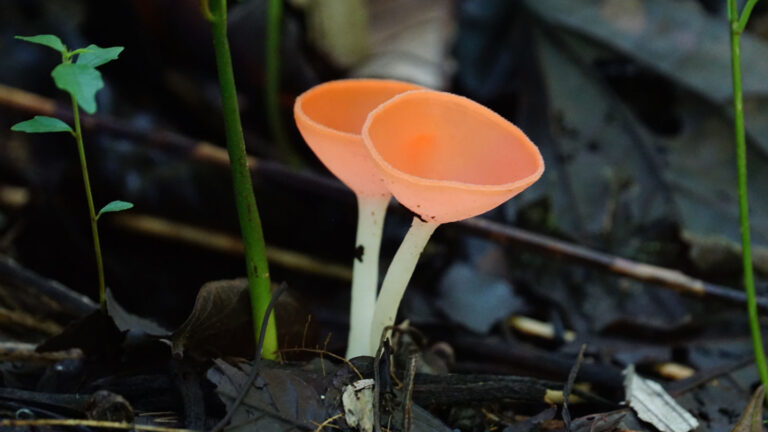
(674, 371)
(678, 388)
(540, 329)
(377, 382)
(90, 423)
(408, 396)
(255, 365)
(526, 357)
(500, 233)
(569, 386)
(662, 276)
(13, 197)
(71, 302)
(23, 352)
(226, 243)
(23, 319)
(328, 422)
(323, 352)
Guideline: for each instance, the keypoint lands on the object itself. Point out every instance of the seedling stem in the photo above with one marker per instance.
(248, 213)
(272, 83)
(89, 196)
(737, 25)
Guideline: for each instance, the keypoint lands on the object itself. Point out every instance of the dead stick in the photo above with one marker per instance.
(20, 318)
(204, 151)
(89, 423)
(226, 243)
(69, 301)
(669, 278)
(13, 197)
(25, 352)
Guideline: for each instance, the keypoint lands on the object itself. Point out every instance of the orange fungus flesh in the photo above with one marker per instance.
(448, 158)
(330, 117)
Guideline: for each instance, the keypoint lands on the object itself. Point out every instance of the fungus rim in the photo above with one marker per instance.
(472, 105)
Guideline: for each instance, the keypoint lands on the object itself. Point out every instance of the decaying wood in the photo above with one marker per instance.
(441, 390)
(538, 361)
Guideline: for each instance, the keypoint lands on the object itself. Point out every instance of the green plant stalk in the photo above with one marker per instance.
(736, 27)
(272, 82)
(248, 213)
(89, 197)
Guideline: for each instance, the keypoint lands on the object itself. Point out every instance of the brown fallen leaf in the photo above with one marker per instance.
(279, 399)
(220, 323)
(752, 418)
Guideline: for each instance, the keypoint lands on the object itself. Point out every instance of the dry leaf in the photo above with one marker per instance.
(752, 419)
(125, 320)
(220, 322)
(654, 405)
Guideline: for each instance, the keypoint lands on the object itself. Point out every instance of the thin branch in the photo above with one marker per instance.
(88, 423)
(226, 243)
(24, 352)
(70, 302)
(326, 353)
(328, 422)
(661, 276)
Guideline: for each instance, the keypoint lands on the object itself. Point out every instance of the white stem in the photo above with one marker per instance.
(397, 278)
(365, 270)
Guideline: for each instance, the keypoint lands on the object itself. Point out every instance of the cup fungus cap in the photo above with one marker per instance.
(448, 158)
(330, 117)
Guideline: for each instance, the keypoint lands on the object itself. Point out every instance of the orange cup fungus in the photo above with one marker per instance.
(448, 158)
(330, 117)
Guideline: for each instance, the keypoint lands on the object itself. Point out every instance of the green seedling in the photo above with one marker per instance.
(737, 23)
(247, 211)
(78, 76)
(272, 83)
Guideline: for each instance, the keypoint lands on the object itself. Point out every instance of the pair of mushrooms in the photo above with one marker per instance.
(443, 156)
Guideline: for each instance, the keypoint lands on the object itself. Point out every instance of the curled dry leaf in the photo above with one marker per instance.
(752, 418)
(220, 322)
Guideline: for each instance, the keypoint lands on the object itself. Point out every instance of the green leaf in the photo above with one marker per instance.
(81, 81)
(115, 206)
(48, 40)
(77, 51)
(95, 55)
(42, 124)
